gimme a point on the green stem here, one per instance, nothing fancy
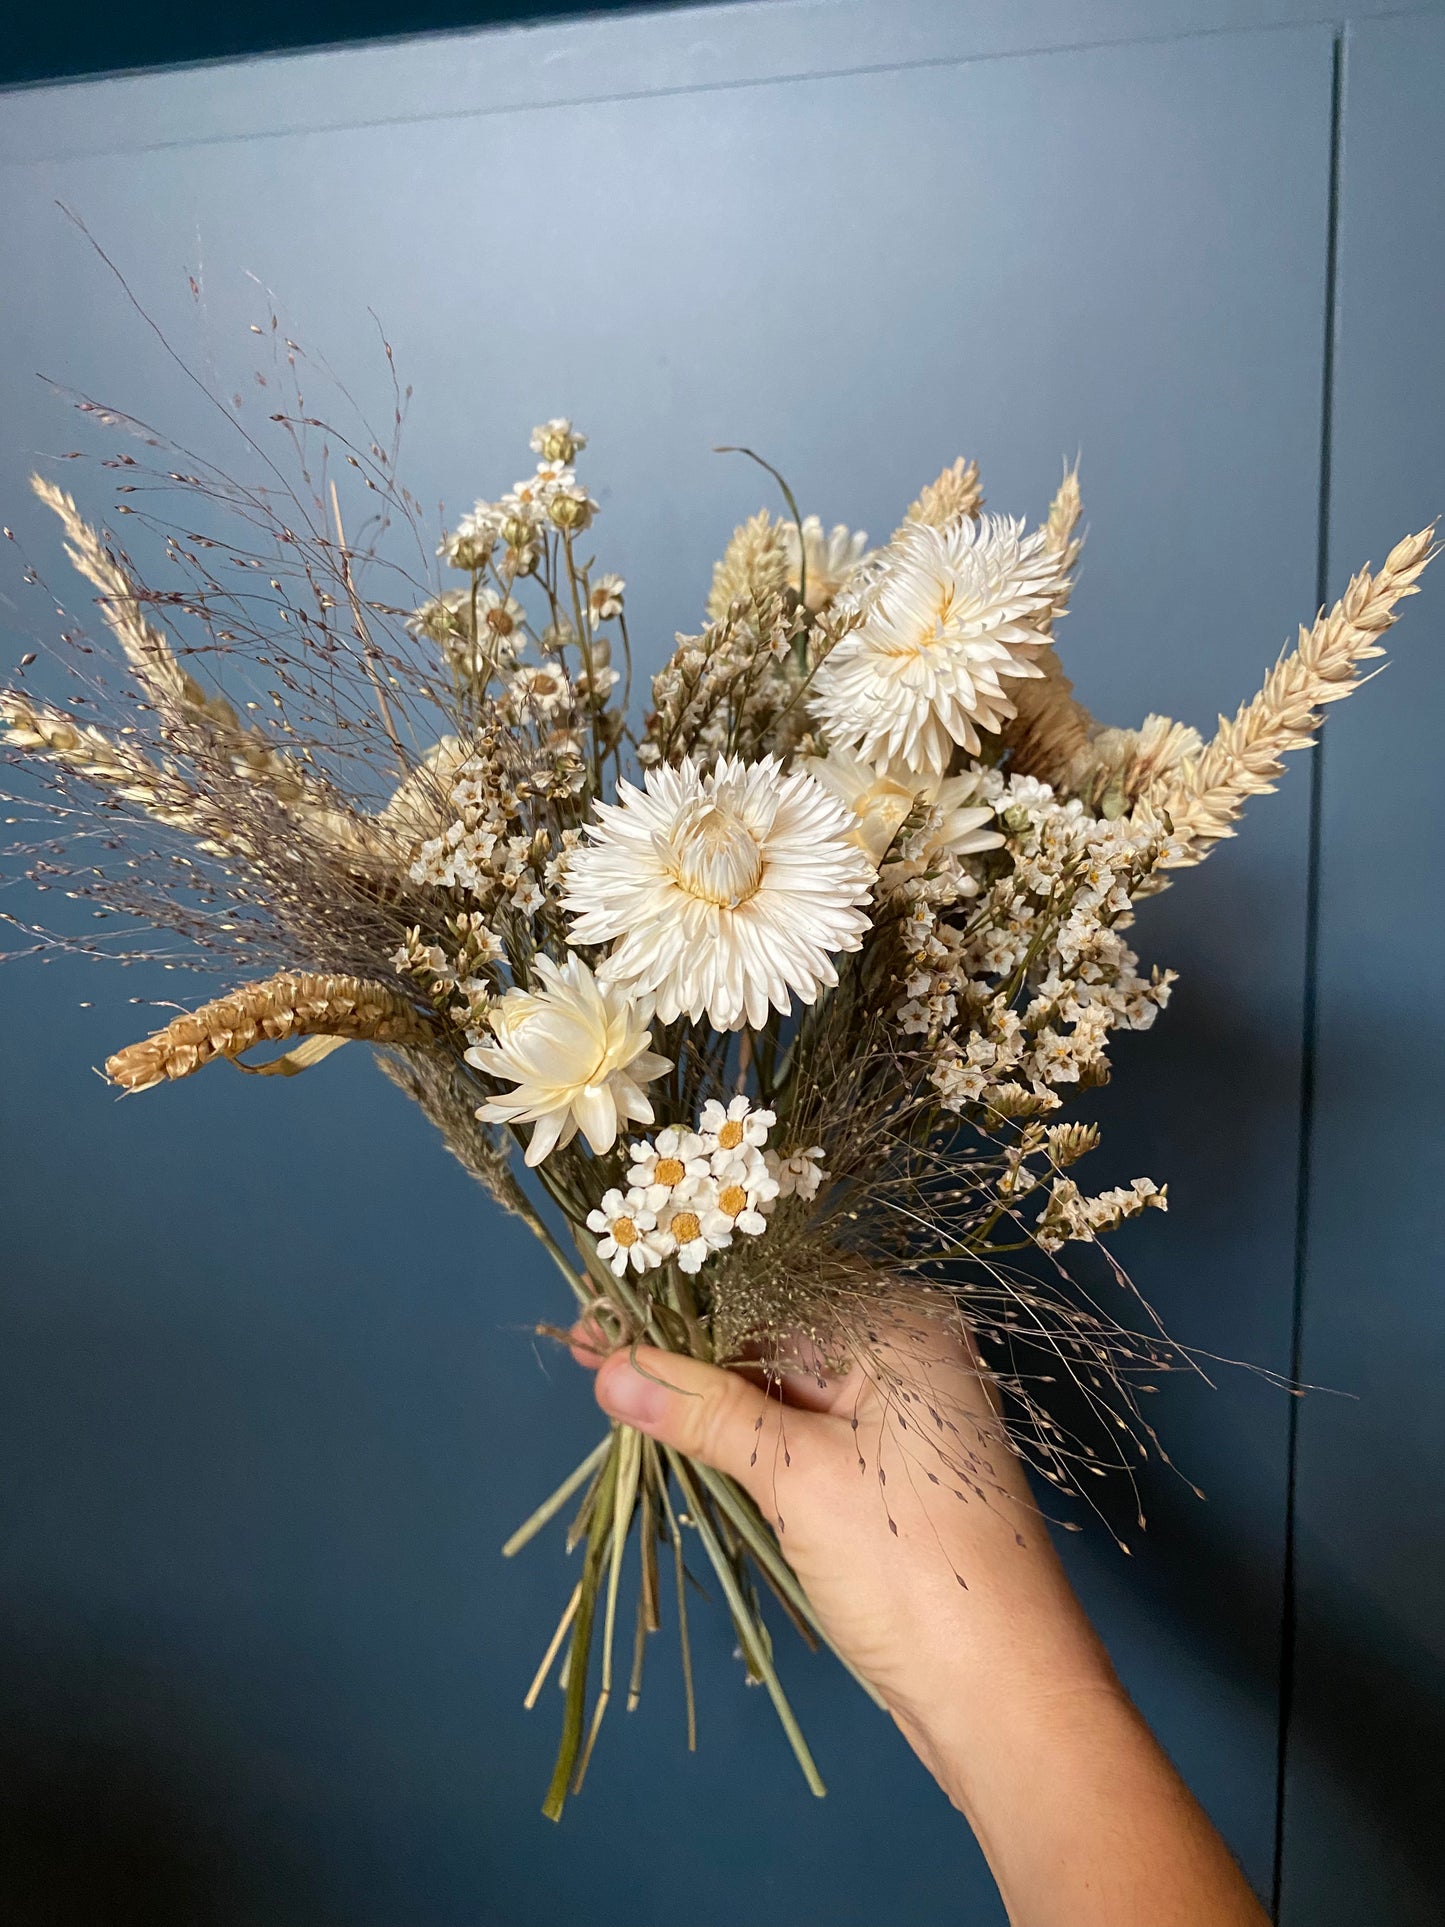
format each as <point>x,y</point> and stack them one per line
<point>576,1702</point>
<point>549,1508</point>
<point>751,1637</point>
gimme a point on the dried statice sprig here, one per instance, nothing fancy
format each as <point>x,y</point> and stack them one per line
<point>783,1034</point>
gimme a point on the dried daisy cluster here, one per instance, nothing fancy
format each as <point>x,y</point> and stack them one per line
<point>772,996</point>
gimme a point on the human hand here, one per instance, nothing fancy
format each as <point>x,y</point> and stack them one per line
<point>944,1592</point>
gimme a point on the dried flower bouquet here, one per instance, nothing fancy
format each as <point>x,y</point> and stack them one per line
<point>777,997</point>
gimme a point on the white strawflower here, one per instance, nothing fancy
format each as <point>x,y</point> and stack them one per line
<point>831,556</point>
<point>673,1165</point>
<point>948,615</point>
<point>576,1051</point>
<point>725,892</point>
<point>630,1235</point>
<point>958,824</point>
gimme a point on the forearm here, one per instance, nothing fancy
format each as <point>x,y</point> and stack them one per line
<point>1082,1818</point>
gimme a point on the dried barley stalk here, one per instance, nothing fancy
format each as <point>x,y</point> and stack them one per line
<point>297,1003</point>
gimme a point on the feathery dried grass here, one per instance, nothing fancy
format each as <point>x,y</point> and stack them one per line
<point>1206,793</point>
<point>298,1003</point>
<point>447,1097</point>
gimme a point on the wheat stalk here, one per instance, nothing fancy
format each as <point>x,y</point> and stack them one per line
<point>298,1003</point>
<point>754,566</point>
<point>956,492</point>
<point>89,753</point>
<point>1050,730</point>
<point>148,650</point>
<point>1204,795</point>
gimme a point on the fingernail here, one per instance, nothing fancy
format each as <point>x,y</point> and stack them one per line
<point>623,1392</point>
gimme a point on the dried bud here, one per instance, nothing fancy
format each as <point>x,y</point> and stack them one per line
<point>1015,819</point>
<point>558,440</point>
<point>572,510</point>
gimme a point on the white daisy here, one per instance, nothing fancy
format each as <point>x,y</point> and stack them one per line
<point>604,598</point>
<point>745,1188</point>
<point>630,1235</point>
<point>542,689</point>
<point>670,1167</point>
<point>726,892</point>
<point>576,1051</point>
<point>948,614</point>
<point>727,1130</point>
<point>696,1228</point>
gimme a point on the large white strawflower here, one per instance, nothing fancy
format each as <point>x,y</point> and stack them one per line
<point>725,892</point>
<point>948,614</point>
<point>576,1051</point>
<point>880,803</point>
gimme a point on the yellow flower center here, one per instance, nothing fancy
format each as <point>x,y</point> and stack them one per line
<point>685,1227</point>
<point>670,1171</point>
<point>625,1232</point>
<point>730,1136</point>
<point>714,855</point>
<point>732,1199</point>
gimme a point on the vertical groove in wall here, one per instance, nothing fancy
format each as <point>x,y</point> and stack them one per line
<point>1288,1615</point>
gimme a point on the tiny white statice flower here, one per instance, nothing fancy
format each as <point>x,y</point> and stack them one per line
<point>726,893</point>
<point>799,1174</point>
<point>947,616</point>
<point>670,1167</point>
<point>527,897</point>
<point>744,1188</point>
<point>604,598</point>
<point>736,1127</point>
<point>696,1228</point>
<point>630,1233</point>
<point>577,1053</point>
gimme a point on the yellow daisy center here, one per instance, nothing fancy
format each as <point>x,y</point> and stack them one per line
<point>730,1136</point>
<point>685,1227</point>
<point>625,1232</point>
<point>732,1199</point>
<point>671,1171</point>
<point>714,855</point>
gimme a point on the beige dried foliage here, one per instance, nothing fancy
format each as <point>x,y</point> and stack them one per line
<point>956,492</point>
<point>754,566</point>
<point>1206,793</point>
<point>298,1003</point>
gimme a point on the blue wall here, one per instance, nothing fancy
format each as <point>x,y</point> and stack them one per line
<point>270,1403</point>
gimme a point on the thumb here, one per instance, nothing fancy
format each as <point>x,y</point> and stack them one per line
<point>709,1414</point>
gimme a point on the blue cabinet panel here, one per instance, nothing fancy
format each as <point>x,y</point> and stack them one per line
<point>270,1404</point>
<point>1362,1833</point>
